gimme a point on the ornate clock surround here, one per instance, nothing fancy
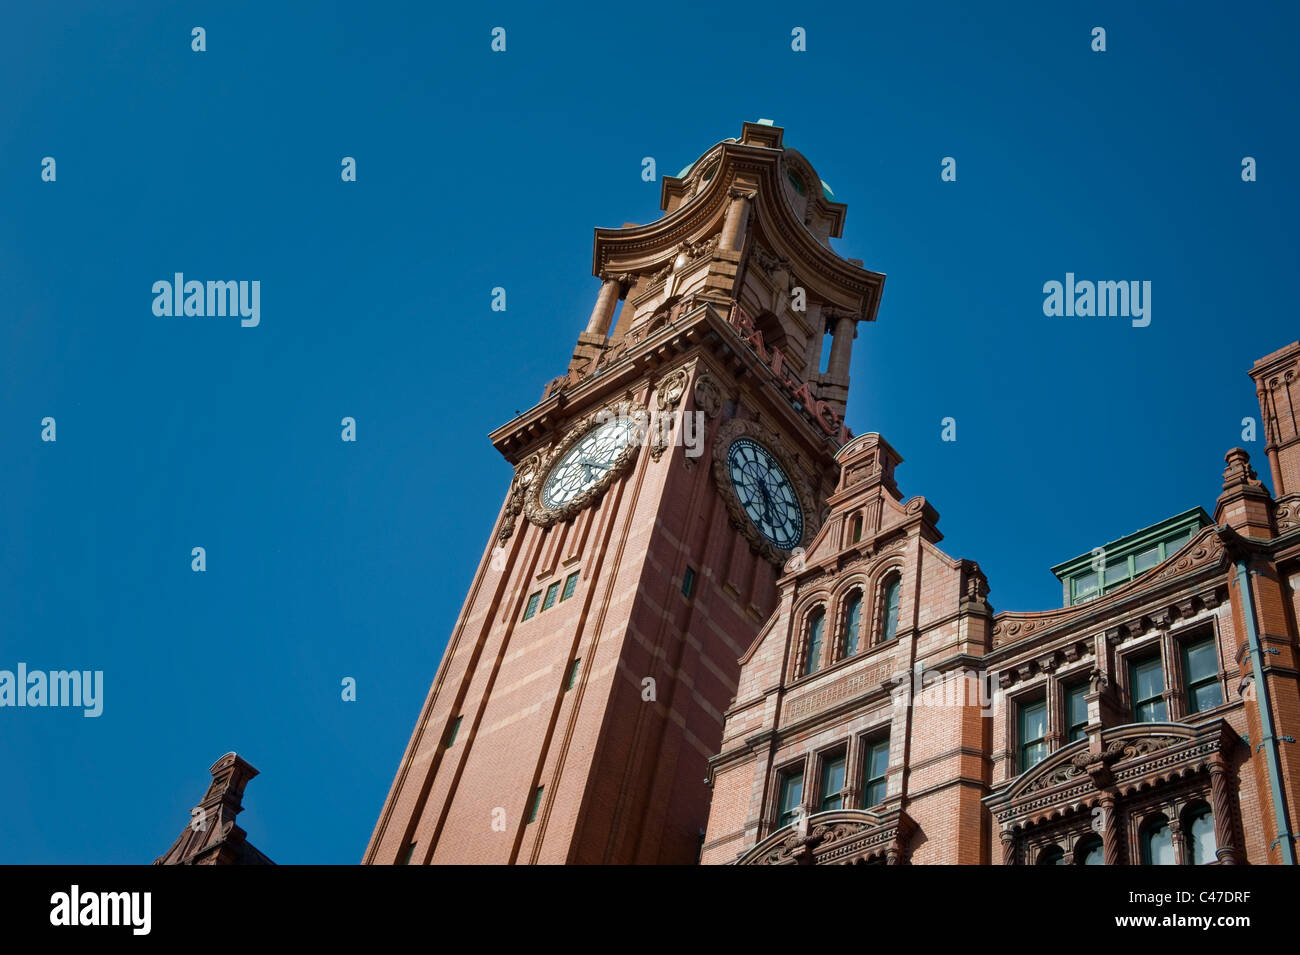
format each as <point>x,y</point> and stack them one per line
<point>538,467</point>
<point>770,440</point>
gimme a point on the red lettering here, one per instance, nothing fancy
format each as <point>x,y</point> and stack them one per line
<point>777,365</point>
<point>803,394</point>
<point>827,418</point>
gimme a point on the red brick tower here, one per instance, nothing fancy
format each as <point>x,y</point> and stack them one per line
<point>583,686</point>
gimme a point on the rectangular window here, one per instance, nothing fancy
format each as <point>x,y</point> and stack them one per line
<point>570,585</point>
<point>1085,587</point>
<point>832,783</point>
<point>551,593</point>
<point>573,675</point>
<point>876,765</point>
<point>532,604</point>
<point>1033,732</point>
<point>1147,559</point>
<point>688,582</point>
<point>791,797</point>
<point>1147,685</point>
<point>1117,573</point>
<point>536,805</point>
<point>455,728</point>
<point>1076,712</point>
<point>1201,671</point>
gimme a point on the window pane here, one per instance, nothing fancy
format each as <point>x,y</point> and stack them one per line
<point>1147,559</point>
<point>1158,846</point>
<point>815,642</point>
<point>1201,669</point>
<point>1076,711</point>
<point>1033,721</point>
<point>891,609</point>
<point>1085,585</point>
<point>852,621</point>
<point>877,765</point>
<point>1033,728</point>
<point>1202,662</point>
<point>1202,843</point>
<point>551,593</point>
<point>532,605</point>
<point>1148,689</point>
<point>1091,854</point>
<point>1205,697</point>
<point>1117,572</point>
<point>791,796</point>
<point>1152,712</point>
<point>1052,856</point>
<point>832,783</point>
<point>570,585</point>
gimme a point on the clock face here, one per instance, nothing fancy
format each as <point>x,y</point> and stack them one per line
<point>765,492</point>
<point>584,464</point>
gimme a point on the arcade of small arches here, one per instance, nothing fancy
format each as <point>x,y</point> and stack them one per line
<point>847,609</point>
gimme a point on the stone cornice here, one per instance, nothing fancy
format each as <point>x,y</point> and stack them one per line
<point>702,330</point>
<point>1205,552</point>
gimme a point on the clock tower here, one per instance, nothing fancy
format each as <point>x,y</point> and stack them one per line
<point>661,487</point>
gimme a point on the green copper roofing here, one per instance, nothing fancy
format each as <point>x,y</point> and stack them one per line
<point>826,189</point>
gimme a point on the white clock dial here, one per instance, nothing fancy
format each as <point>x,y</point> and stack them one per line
<point>584,464</point>
<point>765,492</point>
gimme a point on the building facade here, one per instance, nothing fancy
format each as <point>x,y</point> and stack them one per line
<point>708,626</point>
<point>887,715</point>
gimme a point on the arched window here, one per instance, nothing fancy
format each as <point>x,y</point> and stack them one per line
<point>1157,843</point>
<point>1201,841</point>
<point>852,623</point>
<point>889,595</point>
<point>816,624</point>
<point>1089,852</point>
<point>1052,855</point>
<point>855,529</point>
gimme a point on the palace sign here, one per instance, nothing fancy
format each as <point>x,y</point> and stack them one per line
<point>804,399</point>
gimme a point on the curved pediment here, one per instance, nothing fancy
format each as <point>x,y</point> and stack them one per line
<point>836,836</point>
<point>757,171</point>
<point>1205,549</point>
<point>1125,758</point>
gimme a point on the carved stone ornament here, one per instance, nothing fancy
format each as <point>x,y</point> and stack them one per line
<point>771,440</point>
<point>708,396</point>
<point>668,395</point>
<point>544,516</point>
<point>526,474</point>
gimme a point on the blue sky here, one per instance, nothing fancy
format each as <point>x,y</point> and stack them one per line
<point>475,170</point>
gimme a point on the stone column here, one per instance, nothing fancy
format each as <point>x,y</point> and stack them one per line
<point>737,221</point>
<point>1179,839</point>
<point>606,302</point>
<point>1008,839</point>
<point>1221,805</point>
<point>1110,845</point>
<point>837,369</point>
